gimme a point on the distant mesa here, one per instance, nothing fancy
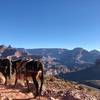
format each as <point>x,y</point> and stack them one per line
<point>77,57</point>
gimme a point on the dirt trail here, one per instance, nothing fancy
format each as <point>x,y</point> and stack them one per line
<point>17,93</point>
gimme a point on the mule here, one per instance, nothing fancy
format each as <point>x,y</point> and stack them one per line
<point>6,68</point>
<point>33,69</point>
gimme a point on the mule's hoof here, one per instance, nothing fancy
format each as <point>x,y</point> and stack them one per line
<point>5,84</point>
<point>35,96</point>
<point>28,90</point>
<point>14,86</point>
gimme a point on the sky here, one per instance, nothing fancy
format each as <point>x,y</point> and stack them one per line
<point>50,23</point>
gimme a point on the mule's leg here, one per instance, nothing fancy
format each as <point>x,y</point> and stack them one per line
<point>28,85</point>
<point>17,76</point>
<point>36,84</point>
<point>41,79</point>
<point>27,82</point>
<point>16,79</point>
<point>5,79</point>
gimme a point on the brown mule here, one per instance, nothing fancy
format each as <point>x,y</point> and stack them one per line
<point>32,69</point>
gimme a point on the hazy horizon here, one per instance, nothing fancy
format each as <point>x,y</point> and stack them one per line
<point>51,48</point>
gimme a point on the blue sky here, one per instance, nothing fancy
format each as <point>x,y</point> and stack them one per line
<point>50,23</point>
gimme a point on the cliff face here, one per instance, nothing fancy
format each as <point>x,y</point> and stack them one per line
<point>89,76</point>
<point>76,57</point>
